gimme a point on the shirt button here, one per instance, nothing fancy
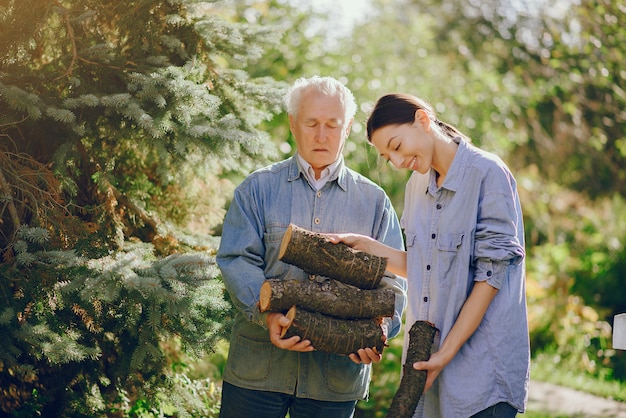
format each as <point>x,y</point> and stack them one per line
<point>317,221</point>
<point>428,267</point>
<point>438,205</point>
<point>425,298</point>
<point>433,236</point>
<point>319,193</point>
<point>489,273</point>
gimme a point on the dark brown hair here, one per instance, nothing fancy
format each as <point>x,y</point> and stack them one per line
<point>399,108</point>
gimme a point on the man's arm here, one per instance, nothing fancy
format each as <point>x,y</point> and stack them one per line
<point>241,256</point>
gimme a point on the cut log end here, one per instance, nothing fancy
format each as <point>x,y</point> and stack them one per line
<point>265,296</point>
<point>285,242</point>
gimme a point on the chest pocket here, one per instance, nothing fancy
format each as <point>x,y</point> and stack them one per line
<point>273,238</point>
<point>449,248</point>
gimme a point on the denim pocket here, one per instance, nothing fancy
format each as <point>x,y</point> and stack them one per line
<point>252,360</point>
<point>345,376</point>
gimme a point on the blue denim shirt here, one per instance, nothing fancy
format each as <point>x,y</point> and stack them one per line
<point>469,229</point>
<point>264,205</point>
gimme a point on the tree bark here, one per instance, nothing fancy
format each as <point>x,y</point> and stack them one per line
<point>326,296</point>
<point>315,254</point>
<point>421,336</point>
<point>339,336</point>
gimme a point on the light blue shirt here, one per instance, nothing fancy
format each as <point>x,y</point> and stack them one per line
<point>263,206</point>
<point>469,229</point>
<point>307,169</point>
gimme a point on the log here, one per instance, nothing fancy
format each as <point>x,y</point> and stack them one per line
<point>421,336</point>
<point>326,296</point>
<point>316,254</point>
<point>333,335</point>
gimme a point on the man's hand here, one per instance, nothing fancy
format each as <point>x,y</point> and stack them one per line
<point>369,355</point>
<point>275,323</point>
<point>365,356</point>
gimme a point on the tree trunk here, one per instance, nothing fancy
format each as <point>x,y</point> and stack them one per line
<point>421,336</point>
<point>326,296</point>
<point>339,336</point>
<point>315,254</point>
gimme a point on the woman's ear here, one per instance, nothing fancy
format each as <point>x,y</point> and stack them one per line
<point>423,119</point>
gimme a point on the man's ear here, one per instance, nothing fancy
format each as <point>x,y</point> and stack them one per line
<point>349,127</point>
<point>292,123</point>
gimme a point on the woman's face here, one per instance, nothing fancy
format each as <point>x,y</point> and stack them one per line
<point>405,146</point>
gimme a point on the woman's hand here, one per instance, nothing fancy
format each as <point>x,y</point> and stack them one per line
<point>433,366</point>
<point>396,259</point>
<point>356,241</point>
<point>464,327</point>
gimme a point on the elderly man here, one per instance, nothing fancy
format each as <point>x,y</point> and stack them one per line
<point>266,376</point>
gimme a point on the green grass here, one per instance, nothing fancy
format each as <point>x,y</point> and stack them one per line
<point>545,368</point>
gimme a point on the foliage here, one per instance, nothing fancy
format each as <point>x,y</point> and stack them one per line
<point>561,78</point>
<point>119,123</point>
<point>568,269</point>
<point>125,125</point>
<point>84,332</point>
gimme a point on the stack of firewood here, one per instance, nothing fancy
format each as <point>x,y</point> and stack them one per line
<point>340,309</point>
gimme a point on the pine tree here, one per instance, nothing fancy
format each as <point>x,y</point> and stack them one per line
<point>119,124</point>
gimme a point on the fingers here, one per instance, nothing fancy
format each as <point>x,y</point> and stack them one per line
<point>276,322</point>
<point>293,344</point>
<point>433,372</point>
<point>365,356</point>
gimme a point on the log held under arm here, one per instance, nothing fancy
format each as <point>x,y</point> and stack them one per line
<point>333,335</point>
<point>326,296</point>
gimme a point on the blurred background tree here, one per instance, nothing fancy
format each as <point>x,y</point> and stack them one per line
<point>541,85</point>
<point>124,127</point>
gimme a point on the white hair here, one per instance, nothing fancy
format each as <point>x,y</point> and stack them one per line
<point>328,86</point>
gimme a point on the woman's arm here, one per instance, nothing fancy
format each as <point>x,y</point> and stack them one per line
<point>468,321</point>
<point>396,259</point>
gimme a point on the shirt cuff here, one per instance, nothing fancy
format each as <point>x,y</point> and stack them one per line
<point>491,272</point>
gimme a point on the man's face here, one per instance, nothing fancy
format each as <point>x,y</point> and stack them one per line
<point>319,129</point>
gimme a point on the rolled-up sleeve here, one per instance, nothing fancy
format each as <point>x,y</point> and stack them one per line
<point>498,242</point>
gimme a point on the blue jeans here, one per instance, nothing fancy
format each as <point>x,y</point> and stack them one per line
<point>245,403</point>
<point>499,410</point>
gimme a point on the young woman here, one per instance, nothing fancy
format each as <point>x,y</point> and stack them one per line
<point>464,261</point>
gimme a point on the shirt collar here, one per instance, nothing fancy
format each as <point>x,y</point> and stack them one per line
<point>336,170</point>
<point>456,171</point>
